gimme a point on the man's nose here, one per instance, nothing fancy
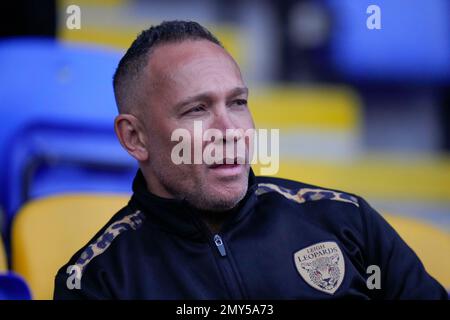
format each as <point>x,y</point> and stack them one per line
<point>223,120</point>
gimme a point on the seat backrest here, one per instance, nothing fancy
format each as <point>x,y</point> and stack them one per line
<point>399,50</point>
<point>48,231</point>
<point>72,83</point>
<point>13,287</point>
<point>431,244</point>
<point>314,121</point>
<point>3,261</point>
<point>46,158</point>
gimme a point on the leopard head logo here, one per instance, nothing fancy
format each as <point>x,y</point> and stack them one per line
<point>323,271</point>
<point>321,266</point>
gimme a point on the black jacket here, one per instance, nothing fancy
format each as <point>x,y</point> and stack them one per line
<point>287,240</point>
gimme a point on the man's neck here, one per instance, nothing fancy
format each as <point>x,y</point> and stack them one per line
<point>153,186</point>
<point>215,219</point>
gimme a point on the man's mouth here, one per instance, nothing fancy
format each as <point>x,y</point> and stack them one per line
<point>223,166</point>
<point>226,163</point>
<point>229,168</point>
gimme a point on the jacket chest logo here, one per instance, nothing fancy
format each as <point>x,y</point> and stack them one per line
<point>321,265</point>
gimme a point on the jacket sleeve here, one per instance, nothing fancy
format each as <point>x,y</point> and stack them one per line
<point>91,286</point>
<point>403,275</point>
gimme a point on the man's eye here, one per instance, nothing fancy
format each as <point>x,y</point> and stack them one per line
<point>240,102</point>
<point>196,109</point>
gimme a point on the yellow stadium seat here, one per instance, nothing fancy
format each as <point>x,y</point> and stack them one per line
<point>47,232</point>
<point>3,261</point>
<point>327,108</point>
<point>431,244</point>
<point>314,122</point>
<point>368,175</point>
<point>126,27</point>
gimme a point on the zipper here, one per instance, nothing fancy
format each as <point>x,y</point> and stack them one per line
<point>219,244</point>
<point>223,262</point>
<point>227,270</point>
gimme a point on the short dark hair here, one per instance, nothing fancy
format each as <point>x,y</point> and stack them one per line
<point>136,57</point>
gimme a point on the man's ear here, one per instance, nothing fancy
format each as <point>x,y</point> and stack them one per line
<point>132,136</point>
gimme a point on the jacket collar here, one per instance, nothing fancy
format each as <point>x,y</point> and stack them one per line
<point>179,217</point>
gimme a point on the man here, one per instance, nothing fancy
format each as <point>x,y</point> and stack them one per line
<point>215,231</point>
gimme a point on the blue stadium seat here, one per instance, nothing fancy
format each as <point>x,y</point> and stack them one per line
<point>13,287</point>
<point>51,158</point>
<point>413,44</point>
<point>57,109</point>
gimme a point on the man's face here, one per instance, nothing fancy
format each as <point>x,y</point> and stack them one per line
<point>186,82</point>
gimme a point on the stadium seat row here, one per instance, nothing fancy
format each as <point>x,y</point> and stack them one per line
<point>47,231</point>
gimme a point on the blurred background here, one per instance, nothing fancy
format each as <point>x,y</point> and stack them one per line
<point>359,109</point>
